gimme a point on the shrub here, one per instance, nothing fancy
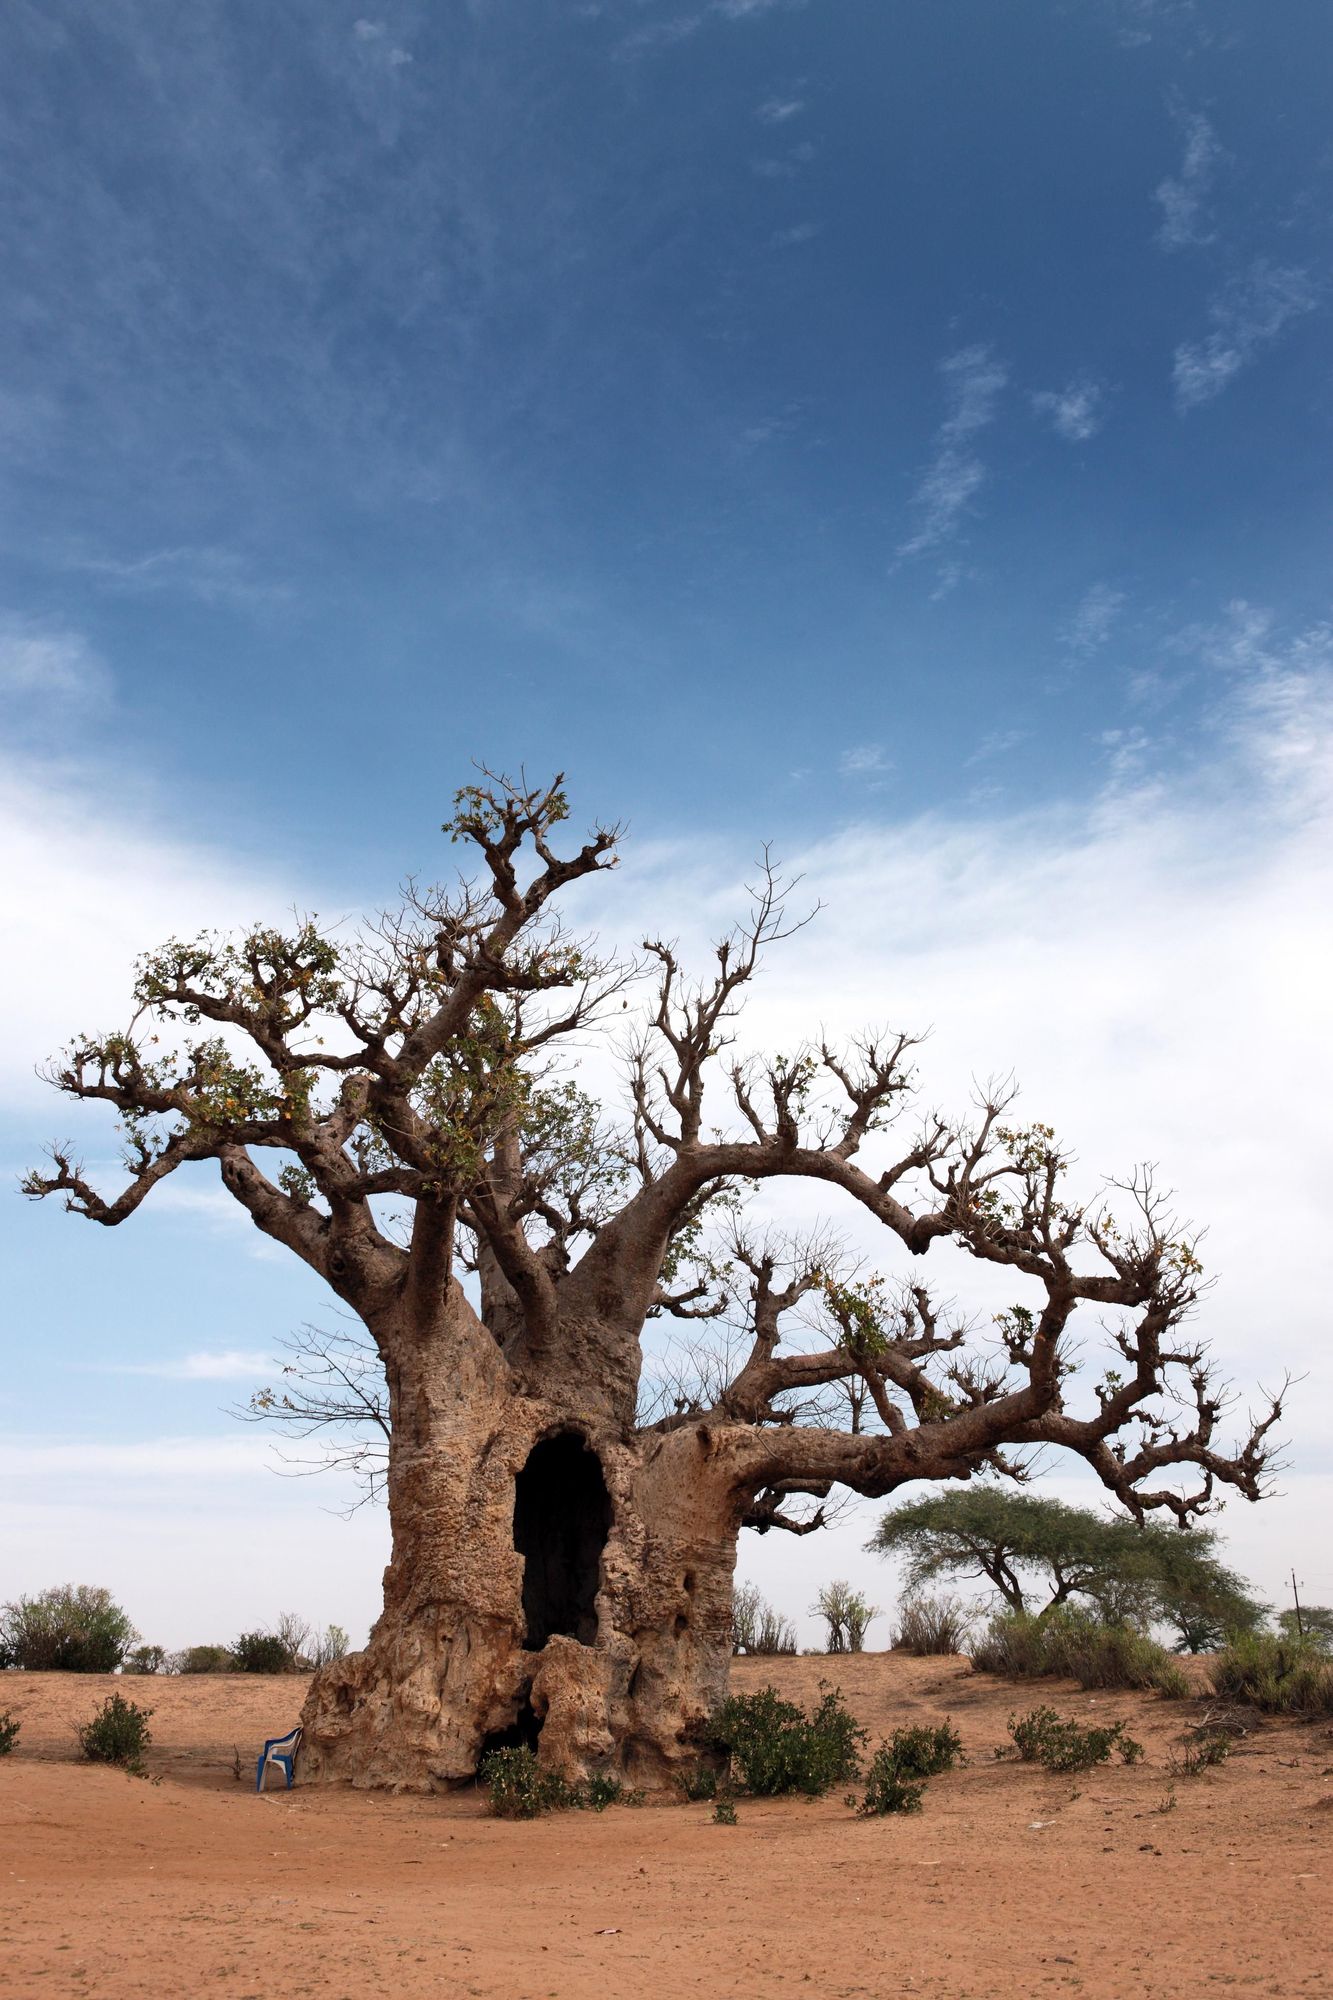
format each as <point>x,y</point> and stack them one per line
<point>517,1787</point>
<point>1275,1675</point>
<point>600,1792</point>
<point>700,1783</point>
<point>332,1644</point>
<point>756,1628</point>
<point>932,1625</point>
<point>117,1734</point>
<point>889,1788</point>
<point>203,1660</point>
<point>261,1653</point>
<point>9,1731</point>
<point>74,1628</point>
<point>923,1752</point>
<point>775,1747</point>
<point>1203,1753</point>
<point>847,1614</point>
<point>1043,1737</point>
<point>145,1660</point>
<point>1079,1645</point>
<point>724,1813</point>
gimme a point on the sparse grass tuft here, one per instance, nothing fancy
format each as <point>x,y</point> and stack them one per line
<point>1203,1752</point>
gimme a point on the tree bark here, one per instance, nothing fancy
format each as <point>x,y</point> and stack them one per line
<point>603,1641</point>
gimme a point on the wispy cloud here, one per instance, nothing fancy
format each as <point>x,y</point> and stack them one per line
<point>48,662</point>
<point>777,110</point>
<point>1077,411</point>
<point>1091,625</point>
<point>799,232</point>
<point>374,38</point>
<point>785,166</point>
<point>1182,197</point>
<point>974,380</point>
<point>1247,316</point>
<point>865,760</point>
<point>234,1364</point>
<point>998,744</point>
<point>212,575</point>
<point>1247,640</point>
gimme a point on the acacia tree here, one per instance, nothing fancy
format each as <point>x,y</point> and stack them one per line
<point>1038,1554</point>
<point>562,1565</point>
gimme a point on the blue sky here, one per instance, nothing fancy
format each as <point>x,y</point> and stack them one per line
<point>829,422</point>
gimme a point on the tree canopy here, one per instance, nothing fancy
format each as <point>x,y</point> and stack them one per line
<point>1038,1553</point>
<point>427,1158</point>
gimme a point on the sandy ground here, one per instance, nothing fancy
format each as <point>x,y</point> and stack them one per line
<point>1009,1883</point>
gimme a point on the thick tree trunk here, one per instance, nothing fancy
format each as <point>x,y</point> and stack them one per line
<point>555,1580</point>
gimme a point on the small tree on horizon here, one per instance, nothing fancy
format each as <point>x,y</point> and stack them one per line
<point>847,1615</point>
<point>1039,1553</point>
<point>387,1105</point>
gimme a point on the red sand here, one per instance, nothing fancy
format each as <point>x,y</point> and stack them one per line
<point>1009,1883</point>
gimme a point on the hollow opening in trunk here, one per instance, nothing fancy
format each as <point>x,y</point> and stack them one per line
<point>562,1515</point>
<point>520,1734</point>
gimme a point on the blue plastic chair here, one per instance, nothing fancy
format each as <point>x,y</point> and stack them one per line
<point>280,1750</point>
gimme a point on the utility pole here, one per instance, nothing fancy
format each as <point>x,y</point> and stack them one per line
<point>1296,1600</point>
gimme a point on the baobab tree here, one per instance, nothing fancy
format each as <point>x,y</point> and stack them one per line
<point>389,1107</point>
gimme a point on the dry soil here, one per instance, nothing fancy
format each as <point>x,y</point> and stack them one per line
<point>1009,1883</point>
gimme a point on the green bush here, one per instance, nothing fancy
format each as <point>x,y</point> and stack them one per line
<point>203,1660</point>
<point>775,1747</point>
<point>929,1625</point>
<point>923,1751</point>
<point>1043,1737</point>
<point>724,1813</point>
<point>9,1732</point>
<point>889,1788</point>
<point>1079,1645</point>
<point>1277,1675</point>
<point>74,1628</point>
<point>262,1653</point>
<point>117,1734</point>
<point>700,1783</point>
<point>145,1660</point>
<point>517,1788</point>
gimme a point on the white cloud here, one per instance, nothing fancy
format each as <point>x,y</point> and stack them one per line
<point>864,760</point>
<point>998,744</point>
<point>1181,197</point>
<point>233,1365</point>
<point>800,232</point>
<point>1093,620</point>
<point>86,887</point>
<point>1153,962</point>
<point>1076,412</point>
<point>777,110</point>
<point>973,380</point>
<point>212,575</point>
<point>48,662</point>
<point>1247,316</point>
